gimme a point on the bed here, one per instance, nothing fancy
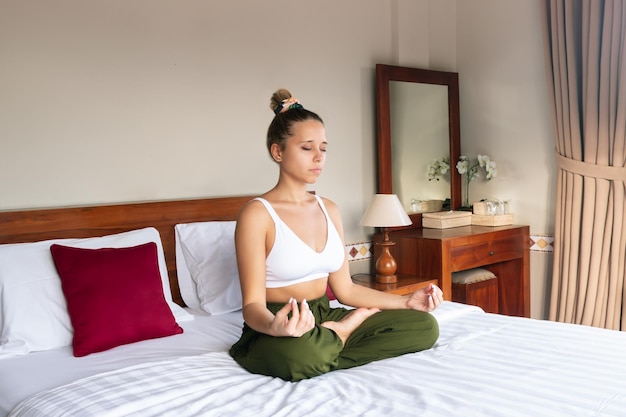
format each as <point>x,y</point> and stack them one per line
<point>482,365</point>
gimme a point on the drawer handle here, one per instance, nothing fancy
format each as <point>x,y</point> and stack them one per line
<point>491,253</point>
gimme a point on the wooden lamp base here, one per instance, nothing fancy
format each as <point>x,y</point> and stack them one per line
<point>386,265</point>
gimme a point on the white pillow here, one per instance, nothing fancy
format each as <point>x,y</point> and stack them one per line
<point>33,311</point>
<point>187,286</point>
<point>207,270</point>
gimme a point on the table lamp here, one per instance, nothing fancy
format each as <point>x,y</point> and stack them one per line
<point>385,211</point>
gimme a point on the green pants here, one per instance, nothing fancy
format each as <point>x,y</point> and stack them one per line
<point>383,335</point>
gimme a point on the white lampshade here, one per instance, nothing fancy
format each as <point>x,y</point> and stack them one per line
<point>385,210</point>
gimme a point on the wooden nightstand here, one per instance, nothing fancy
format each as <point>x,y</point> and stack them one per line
<point>503,250</point>
<point>407,284</point>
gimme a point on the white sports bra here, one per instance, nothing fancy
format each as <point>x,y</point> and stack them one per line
<point>291,261</point>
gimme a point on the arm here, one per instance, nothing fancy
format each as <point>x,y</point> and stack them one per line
<point>349,293</point>
<point>251,243</point>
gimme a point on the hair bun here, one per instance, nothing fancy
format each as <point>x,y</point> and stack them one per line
<point>282,100</point>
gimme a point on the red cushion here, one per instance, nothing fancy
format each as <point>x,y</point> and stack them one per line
<point>114,296</point>
<point>329,293</point>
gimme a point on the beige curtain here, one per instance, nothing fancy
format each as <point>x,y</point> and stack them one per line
<point>585,44</point>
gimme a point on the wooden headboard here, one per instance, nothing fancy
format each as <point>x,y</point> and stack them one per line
<point>17,226</point>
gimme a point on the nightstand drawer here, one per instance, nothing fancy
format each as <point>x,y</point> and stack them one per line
<point>479,251</point>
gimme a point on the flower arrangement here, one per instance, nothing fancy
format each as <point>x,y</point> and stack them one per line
<point>465,166</point>
<point>471,168</point>
<point>437,168</point>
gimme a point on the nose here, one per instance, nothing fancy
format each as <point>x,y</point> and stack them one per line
<point>319,155</point>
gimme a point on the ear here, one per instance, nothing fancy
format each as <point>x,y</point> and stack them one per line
<point>277,153</point>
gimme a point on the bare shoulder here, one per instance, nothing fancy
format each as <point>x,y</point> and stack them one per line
<point>333,211</point>
<point>254,212</point>
<point>330,205</point>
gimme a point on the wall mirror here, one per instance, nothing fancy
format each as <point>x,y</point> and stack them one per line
<point>418,121</point>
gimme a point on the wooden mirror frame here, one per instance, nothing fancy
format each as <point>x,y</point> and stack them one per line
<point>387,73</point>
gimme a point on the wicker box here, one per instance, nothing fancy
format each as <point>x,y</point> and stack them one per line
<point>446,219</point>
<point>426,206</point>
<point>489,207</point>
<point>480,207</point>
<point>492,220</point>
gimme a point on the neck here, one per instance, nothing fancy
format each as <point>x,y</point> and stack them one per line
<point>285,193</point>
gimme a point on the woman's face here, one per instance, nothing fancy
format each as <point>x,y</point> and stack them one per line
<point>304,155</point>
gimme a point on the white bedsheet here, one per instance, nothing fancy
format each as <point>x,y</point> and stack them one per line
<point>23,376</point>
<point>482,365</point>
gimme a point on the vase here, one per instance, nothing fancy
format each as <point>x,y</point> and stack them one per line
<point>466,204</point>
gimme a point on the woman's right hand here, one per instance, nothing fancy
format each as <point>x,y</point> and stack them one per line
<point>301,321</point>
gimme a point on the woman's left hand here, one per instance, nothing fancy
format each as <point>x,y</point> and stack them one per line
<point>426,299</point>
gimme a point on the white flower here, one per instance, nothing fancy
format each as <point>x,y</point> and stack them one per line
<point>491,169</point>
<point>469,167</point>
<point>437,168</point>
<point>483,160</point>
<point>463,165</point>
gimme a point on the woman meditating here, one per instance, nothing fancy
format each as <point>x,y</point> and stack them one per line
<point>290,246</point>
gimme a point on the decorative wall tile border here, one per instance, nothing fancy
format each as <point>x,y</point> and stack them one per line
<point>542,243</point>
<point>359,251</point>
<point>365,250</point>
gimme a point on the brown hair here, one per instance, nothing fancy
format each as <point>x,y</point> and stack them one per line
<point>282,125</point>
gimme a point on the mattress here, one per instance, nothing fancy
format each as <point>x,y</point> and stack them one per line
<point>482,365</point>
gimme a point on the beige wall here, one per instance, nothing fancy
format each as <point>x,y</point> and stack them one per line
<point>505,113</point>
<point>107,101</point>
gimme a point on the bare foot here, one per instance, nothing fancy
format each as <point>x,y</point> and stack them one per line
<point>348,324</point>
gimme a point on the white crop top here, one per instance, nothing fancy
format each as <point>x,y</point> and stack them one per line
<point>291,261</point>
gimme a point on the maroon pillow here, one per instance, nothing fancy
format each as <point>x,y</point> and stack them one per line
<point>114,296</point>
<point>329,293</point>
